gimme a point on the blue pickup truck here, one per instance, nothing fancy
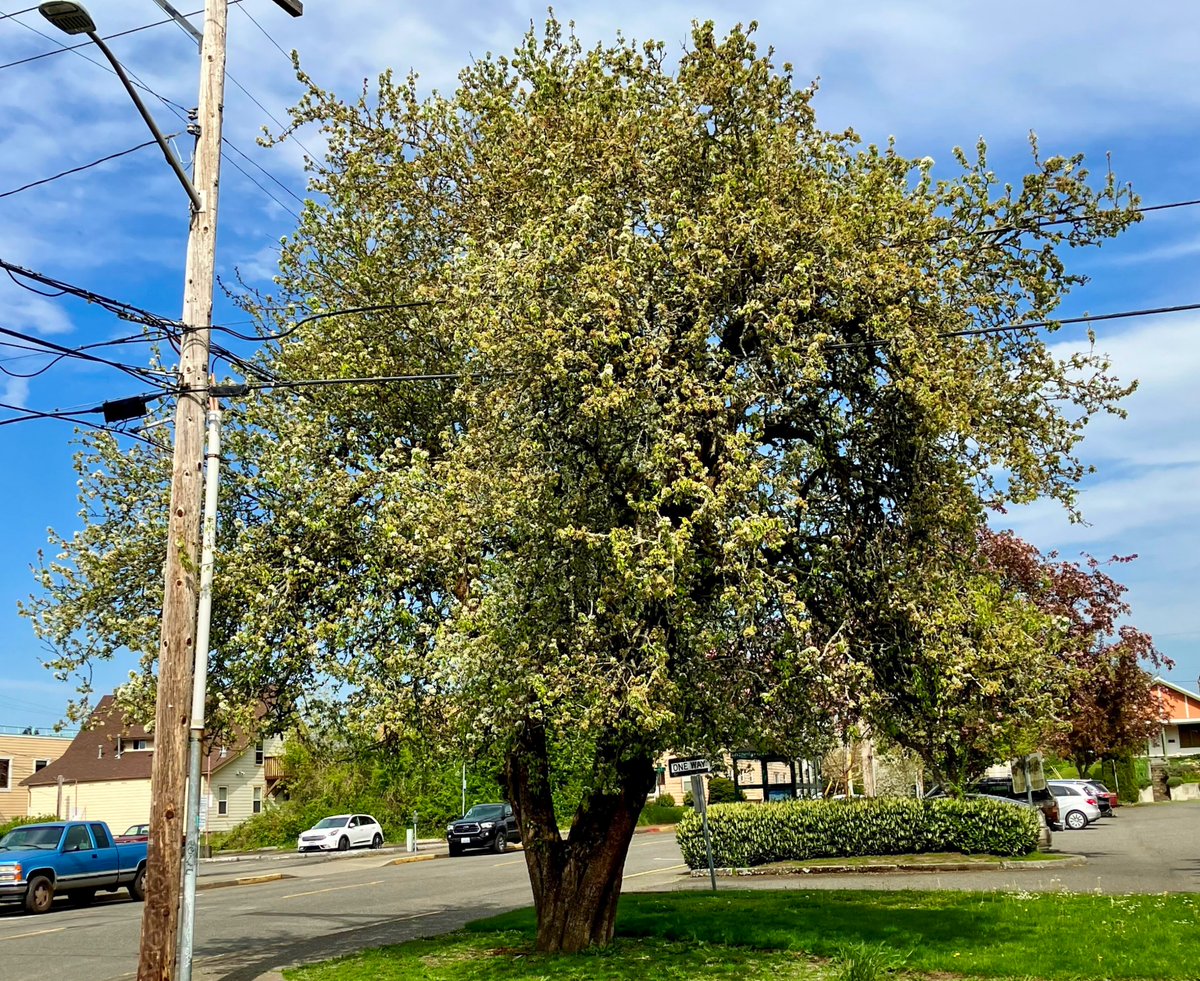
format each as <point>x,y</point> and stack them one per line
<point>75,858</point>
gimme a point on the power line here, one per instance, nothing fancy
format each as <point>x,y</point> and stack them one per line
<point>241,170</point>
<point>266,34</point>
<point>321,316</point>
<point>141,374</point>
<point>1026,325</point>
<point>270,115</point>
<point>126,311</point>
<point>70,416</point>
<point>255,163</point>
<point>107,37</point>
<point>87,166</point>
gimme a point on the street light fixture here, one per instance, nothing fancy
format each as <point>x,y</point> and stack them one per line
<point>72,19</point>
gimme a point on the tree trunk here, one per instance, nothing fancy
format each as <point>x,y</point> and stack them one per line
<point>576,882</point>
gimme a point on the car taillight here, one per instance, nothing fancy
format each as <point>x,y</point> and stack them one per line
<point>1092,801</point>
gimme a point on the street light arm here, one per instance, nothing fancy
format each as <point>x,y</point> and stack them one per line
<point>141,107</point>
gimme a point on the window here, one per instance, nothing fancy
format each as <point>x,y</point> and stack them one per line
<point>40,765</point>
<point>256,806</point>
<point>258,753</point>
<point>222,800</point>
<point>5,772</point>
<point>77,839</point>
<point>1189,737</point>
<point>101,836</point>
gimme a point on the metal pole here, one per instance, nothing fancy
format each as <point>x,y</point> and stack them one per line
<point>212,477</point>
<point>464,790</point>
<point>176,656</point>
<point>700,802</point>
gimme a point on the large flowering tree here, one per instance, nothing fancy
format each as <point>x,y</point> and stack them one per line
<point>707,383</point>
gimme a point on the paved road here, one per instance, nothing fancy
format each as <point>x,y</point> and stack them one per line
<point>328,907</point>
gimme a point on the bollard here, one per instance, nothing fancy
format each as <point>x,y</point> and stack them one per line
<point>410,840</point>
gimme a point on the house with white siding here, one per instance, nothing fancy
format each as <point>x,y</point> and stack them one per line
<point>22,754</point>
<point>104,774</point>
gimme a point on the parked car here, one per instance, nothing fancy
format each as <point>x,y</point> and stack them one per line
<point>1002,787</point>
<point>1105,798</point>
<point>490,826</point>
<point>1043,835</point>
<point>72,858</point>
<point>135,832</point>
<point>340,833</point>
<point>1077,805</point>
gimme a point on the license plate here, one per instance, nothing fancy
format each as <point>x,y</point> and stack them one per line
<point>464,841</point>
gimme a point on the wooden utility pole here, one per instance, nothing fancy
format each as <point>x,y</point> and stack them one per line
<point>176,653</point>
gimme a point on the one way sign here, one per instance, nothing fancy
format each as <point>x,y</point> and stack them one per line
<point>686,767</point>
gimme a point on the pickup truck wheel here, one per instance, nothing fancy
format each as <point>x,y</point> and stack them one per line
<point>343,844</point>
<point>137,888</point>
<point>39,897</point>
<point>455,850</point>
<point>377,841</point>
<point>500,842</point>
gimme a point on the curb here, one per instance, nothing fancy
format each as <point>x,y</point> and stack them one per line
<point>885,868</point>
<point>409,859</point>
<point>246,880</point>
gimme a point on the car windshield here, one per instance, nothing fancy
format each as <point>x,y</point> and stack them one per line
<point>483,812</point>
<point>333,822</point>
<point>137,829</point>
<point>42,836</point>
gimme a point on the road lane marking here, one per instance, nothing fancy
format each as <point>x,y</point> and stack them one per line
<point>313,892</point>
<point>669,868</point>
<point>35,933</point>
<point>417,916</point>
<point>511,861</point>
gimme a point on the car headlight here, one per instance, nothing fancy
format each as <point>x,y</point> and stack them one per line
<point>488,825</point>
<point>449,827</point>
<point>10,873</point>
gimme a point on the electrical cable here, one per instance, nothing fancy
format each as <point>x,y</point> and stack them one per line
<point>321,316</point>
<point>271,116</point>
<point>266,34</point>
<point>241,170</point>
<point>255,163</point>
<point>126,311</point>
<point>69,416</point>
<point>1027,325</point>
<point>87,166</point>
<point>141,374</point>
<point>107,37</point>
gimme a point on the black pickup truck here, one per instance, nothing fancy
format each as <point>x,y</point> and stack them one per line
<point>488,826</point>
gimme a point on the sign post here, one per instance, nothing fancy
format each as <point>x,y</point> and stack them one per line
<point>696,767</point>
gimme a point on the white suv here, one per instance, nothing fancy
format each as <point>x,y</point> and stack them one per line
<point>340,833</point>
<point>1077,806</point>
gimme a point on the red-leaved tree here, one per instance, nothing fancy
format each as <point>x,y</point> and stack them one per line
<point>1111,709</point>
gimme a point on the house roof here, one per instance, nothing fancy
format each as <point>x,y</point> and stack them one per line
<point>92,756</point>
<point>1188,696</point>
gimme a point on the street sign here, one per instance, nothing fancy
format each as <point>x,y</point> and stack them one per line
<point>686,767</point>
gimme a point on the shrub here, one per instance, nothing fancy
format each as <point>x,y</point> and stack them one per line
<point>722,790</point>
<point>749,834</point>
<point>1174,782</point>
<point>665,800</point>
<point>18,822</point>
<point>658,813</point>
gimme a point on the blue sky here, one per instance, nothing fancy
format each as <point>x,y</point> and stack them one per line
<point>1118,80</point>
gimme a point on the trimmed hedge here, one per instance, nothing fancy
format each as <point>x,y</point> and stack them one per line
<point>745,835</point>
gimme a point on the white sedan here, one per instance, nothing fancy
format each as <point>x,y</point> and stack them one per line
<point>340,833</point>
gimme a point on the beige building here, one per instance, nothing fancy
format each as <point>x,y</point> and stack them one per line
<point>22,754</point>
<point>105,775</point>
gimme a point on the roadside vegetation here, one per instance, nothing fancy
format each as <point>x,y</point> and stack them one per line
<point>847,935</point>
<point>17,822</point>
<point>747,835</point>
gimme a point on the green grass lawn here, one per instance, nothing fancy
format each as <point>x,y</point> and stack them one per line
<point>812,934</point>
